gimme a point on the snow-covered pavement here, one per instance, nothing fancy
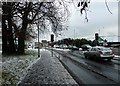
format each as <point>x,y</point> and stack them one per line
<point>47,71</point>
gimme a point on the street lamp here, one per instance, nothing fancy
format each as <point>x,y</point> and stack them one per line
<point>38,40</point>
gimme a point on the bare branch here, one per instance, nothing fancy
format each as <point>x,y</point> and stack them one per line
<point>107,6</point>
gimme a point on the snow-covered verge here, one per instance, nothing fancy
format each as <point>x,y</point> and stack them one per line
<point>15,67</point>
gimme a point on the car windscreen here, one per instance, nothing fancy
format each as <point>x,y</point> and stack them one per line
<point>102,48</point>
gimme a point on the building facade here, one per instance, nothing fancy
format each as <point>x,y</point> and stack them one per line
<point>44,43</point>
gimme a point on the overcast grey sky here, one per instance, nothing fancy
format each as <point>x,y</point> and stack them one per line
<point>100,21</point>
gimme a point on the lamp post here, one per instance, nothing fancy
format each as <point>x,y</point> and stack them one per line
<point>38,40</point>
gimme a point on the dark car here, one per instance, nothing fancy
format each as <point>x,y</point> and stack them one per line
<point>75,48</point>
<point>99,52</point>
<point>85,47</point>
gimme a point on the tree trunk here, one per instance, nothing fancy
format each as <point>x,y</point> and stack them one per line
<point>22,36</point>
<point>21,45</point>
<point>4,37</point>
<point>10,37</point>
<point>8,45</point>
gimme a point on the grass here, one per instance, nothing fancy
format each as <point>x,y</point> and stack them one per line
<point>14,67</point>
<point>31,52</point>
<point>8,78</point>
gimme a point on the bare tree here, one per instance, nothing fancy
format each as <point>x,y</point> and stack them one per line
<point>7,32</point>
<point>18,16</point>
<point>23,14</point>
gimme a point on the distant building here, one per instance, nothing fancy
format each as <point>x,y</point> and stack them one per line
<point>38,45</point>
<point>44,43</point>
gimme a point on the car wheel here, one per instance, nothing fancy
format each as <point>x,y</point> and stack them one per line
<point>99,60</point>
<point>95,58</point>
<point>86,56</point>
<point>109,60</point>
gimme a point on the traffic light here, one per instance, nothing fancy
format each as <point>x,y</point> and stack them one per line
<point>96,36</point>
<point>52,37</point>
<point>96,39</point>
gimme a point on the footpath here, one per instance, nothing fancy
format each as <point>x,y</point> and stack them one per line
<point>47,71</point>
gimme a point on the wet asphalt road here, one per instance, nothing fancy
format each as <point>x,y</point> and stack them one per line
<point>90,71</point>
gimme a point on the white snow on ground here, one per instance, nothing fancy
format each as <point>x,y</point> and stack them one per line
<point>15,67</point>
<point>61,49</point>
<point>116,56</point>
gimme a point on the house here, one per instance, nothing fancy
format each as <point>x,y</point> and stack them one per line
<point>44,43</point>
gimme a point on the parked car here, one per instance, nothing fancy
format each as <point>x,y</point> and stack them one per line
<point>63,46</point>
<point>69,47</point>
<point>86,47</point>
<point>75,48</point>
<point>72,47</point>
<point>56,46</point>
<point>99,52</point>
